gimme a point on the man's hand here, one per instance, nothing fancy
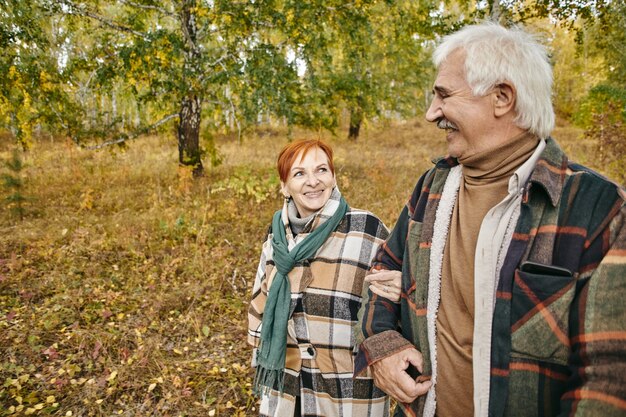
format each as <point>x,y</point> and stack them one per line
<point>385,283</point>
<point>390,375</point>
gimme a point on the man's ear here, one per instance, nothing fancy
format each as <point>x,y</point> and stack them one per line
<point>504,99</point>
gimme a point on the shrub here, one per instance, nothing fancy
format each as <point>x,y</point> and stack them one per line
<point>602,99</point>
<point>603,115</point>
<point>14,185</point>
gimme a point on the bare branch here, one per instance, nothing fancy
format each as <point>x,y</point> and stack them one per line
<point>148,7</point>
<point>189,28</point>
<point>135,135</point>
<point>219,60</point>
<point>232,108</point>
<point>80,10</point>
<point>207,29</point>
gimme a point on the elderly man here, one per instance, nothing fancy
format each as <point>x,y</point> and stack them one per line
<point>513,258</point>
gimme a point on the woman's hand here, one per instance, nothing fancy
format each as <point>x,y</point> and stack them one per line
<point>385,283</point>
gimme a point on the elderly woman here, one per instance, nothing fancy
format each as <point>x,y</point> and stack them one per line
<point>307,294</point>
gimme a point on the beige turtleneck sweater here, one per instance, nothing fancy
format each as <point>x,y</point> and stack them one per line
<point>484,184</point>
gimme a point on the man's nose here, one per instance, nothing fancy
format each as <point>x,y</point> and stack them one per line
<point>434,112</point>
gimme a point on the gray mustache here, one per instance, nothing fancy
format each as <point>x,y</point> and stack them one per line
<point>446,124</point>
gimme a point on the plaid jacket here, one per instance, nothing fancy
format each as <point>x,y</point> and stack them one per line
<point>558,339</point>
<point>325,298</point>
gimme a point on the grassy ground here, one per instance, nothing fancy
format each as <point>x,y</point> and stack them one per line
<point>124,290</point>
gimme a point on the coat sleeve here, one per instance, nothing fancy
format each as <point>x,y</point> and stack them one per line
<point>379,317</point>
<point>259,297</point>
<point>378,233</point>
<point>598,331</point>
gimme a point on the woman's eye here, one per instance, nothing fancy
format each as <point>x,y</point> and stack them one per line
<point>322,170</point>
<point>297,174</point>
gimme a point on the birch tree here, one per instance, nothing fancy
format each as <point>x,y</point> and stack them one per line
<point>180,59</point>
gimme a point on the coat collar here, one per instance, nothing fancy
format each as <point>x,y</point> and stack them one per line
<point>319,218</point>
<point>549,172</point>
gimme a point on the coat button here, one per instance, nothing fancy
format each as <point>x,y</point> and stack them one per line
<point>310,350</point>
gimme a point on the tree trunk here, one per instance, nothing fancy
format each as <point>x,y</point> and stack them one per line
<point>189,135</point>
<point>495,12</point>
<point>356,117</point>
<point>190,110</point>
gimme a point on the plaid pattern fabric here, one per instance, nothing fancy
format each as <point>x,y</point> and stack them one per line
<point>558,342</point>
<point>325,298</point>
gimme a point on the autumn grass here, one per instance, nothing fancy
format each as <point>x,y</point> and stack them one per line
<point>125,289</point>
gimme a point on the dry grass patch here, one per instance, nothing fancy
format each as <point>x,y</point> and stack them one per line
<point>125,289</point>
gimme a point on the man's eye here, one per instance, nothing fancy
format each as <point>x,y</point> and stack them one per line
<point>441,94</point>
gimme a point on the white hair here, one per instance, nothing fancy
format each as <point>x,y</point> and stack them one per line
<point>494,54</point>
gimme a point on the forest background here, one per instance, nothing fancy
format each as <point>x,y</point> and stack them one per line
<point>138,140</point>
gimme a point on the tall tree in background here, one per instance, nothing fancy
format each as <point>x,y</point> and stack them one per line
<point>33,92</point>
<point>177,57</point>
<point>608,35</point>
<point>110,71</point>
<point>369,58</point>
<point>576,70</point>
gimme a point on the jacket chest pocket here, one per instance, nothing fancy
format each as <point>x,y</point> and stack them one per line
<point>540,308</point>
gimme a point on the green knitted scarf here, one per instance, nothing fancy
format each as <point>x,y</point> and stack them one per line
<point>273,346</point>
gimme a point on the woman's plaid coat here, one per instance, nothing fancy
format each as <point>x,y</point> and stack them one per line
<point>325,299</point>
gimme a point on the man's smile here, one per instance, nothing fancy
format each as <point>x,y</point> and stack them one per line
<point>446,124</point>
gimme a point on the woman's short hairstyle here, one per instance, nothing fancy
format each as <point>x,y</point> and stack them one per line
<point>494,54</point>
<point>291,151</point>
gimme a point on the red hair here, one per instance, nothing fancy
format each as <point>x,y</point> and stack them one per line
<point>290,152</point>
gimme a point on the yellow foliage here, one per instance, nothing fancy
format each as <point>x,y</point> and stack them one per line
<point>162,57</point>
<point>86,199</point>
<point>44,80</point>
<point>12,73</point>
<point>19,104</point>
<point>201,11</point>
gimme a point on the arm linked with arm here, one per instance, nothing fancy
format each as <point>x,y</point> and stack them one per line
<point>380,317</point>
<point>385,350</point>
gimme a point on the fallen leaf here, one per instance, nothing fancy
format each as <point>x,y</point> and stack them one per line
<point>96,349</point>
<point>51,353</point>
